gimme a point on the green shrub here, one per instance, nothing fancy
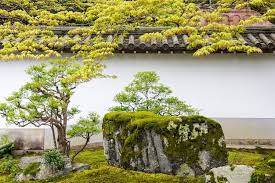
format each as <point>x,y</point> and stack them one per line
<point>4,140</point>
<point>6,149</point>
<point>54,159</point>
<point>260,177</point>
<point>32,169</point>
<point>9,166</point>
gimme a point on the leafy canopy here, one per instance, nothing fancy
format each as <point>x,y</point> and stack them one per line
<point>45,98</point>
<point>85,127</point>
<point>146,93</point>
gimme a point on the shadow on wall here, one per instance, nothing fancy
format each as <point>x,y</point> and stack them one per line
<point>25,139</point>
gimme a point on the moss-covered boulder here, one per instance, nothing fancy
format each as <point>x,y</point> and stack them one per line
<point>175,145</point>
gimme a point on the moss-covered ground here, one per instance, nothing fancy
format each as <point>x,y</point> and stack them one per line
<point>101,172</point>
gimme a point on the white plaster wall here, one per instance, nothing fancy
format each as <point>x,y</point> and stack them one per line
<point>222,86</point>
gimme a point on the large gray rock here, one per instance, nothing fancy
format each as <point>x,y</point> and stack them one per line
<point>174,145</point>
<point>230,174</point>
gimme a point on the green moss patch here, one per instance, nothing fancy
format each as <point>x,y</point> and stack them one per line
<point>101,172</point>
<point>244,158</point>
<point>265,170</point>
<point>32,169</point>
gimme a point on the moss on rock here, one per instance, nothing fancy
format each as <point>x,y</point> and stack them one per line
<point>148,142</point>
<point>32,169</point>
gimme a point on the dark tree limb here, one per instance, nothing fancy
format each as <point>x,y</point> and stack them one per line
<point>83,147</point>
<point>54,138</point>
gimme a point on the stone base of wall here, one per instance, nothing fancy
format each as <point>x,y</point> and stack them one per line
<point>23,152</point>
<point>250,143</point>
<point>89,146</point>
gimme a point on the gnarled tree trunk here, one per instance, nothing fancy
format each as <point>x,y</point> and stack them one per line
<point>62,141</point>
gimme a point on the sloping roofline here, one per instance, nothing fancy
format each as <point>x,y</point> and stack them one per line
<point>259,36</point>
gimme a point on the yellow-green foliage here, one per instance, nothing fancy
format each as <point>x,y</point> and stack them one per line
<point>244,158</point>
<point>23,37</point>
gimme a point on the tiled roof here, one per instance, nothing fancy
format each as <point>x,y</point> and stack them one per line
<point>179,43</point>
<point>260,37</point>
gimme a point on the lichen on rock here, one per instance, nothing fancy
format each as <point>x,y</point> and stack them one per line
<point>185,170</point>
<point>147,142</point>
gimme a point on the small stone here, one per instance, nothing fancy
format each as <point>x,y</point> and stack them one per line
<point>185,170</point>
<point>45,171</point>
<point>25,161</point>
<point>80,167</point>
<point>238,174</point>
